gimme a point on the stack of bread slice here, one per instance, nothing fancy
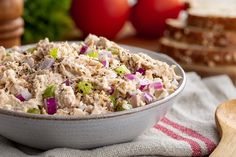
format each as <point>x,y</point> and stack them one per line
<point>204,39</point>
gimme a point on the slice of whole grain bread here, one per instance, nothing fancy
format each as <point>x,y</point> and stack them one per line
<point>193,53</point>
<point>179,31</point>
<point>222,18</point>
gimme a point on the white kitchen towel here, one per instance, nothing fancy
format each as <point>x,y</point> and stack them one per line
<point>188,129</point>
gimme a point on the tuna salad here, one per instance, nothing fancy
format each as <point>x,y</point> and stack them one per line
<point>92,77</point>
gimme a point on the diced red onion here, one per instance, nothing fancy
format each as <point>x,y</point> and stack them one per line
<point>142,87</point>
<point>109,54</point>
<point>50,105</point>
<point>141,71</point>
<point>130,76</point>
<point>113,75</point>
<point>24,95</point>
<point>20,97</point>
<point>147,97</point>
<point>29,61</point>
<point>83,49</point>
<point>104,55</point>
<point>67,82</point>
<point>157,85</point>
<point>105,63</point>
<point>143,82</point>
<point>111,91</point>
<point>47,63</point>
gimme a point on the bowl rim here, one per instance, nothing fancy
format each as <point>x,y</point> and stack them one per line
<point>112,114</point>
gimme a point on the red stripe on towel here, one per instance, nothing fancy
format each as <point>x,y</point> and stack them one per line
<point>196,148</point>
<point>209,143</point>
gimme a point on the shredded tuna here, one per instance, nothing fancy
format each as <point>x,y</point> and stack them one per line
<point>82,84</point>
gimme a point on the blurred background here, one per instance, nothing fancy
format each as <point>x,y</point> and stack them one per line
<point>201,35</point>
<point>74,19</point>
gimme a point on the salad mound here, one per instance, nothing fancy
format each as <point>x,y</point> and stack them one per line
<point>92,77</point>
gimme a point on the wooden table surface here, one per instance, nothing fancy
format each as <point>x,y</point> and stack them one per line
<point>128,36</point>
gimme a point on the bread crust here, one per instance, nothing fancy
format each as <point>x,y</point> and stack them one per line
<point>216,23</point>
<point>179,31</point>
<point>189,53</point>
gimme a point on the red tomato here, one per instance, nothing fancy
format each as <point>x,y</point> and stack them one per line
<point>149,16</point>
<point>100,17</point>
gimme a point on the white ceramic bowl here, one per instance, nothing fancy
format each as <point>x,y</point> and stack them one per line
<point>45,132</point>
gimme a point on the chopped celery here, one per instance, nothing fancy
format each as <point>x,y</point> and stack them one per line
<point>113,99</point>
<point>121,70</point>
<point>119,108</point>
<point>114,51</point>
<point>49,91</point>
<point>33,110</point>
<point>127,106</point>
<point>85,87</point>
<point>123,107</point>
<point>93,54</point>
<point>54,53</point>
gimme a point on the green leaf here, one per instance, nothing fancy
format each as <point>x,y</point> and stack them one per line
<point>46,18</point>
